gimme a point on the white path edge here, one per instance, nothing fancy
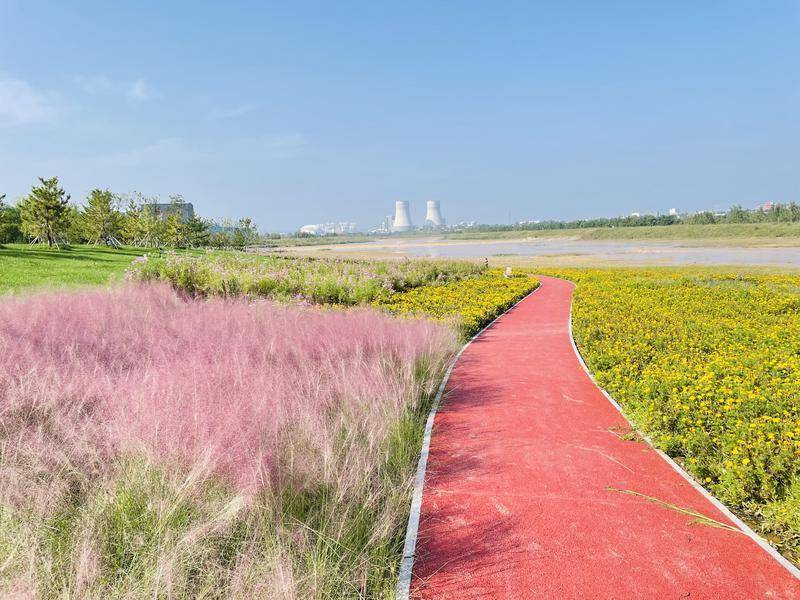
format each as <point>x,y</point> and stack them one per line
<point>410,546</point>
<point>409,549</point>
<point>765,545</point>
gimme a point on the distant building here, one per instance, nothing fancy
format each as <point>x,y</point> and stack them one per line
<point>385,226</point>
<point>767,206</point>
<point>340,228</point>
<point>433,216</point>
<point>184,210</point>
<point>636,214</point>
<point>673,212</point>
<point>216,228</point>
<point>310,229</point>
<point>402,217</point>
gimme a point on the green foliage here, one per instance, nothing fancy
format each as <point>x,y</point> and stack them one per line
<point>101,218</point>
<point>74,230</point>
<point>245,233</point>
<point>779,213</point>
<point>471,302</point>
<point>152,227</point>
<point>132,225</point>
<point>315,280</point>
<point>44,212</point>
<point>10,225</point>
<point>197,232</point>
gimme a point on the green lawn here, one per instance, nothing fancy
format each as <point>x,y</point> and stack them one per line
<point>24,266</point>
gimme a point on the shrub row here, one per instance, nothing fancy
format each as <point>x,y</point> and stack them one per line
<point>320,281</point>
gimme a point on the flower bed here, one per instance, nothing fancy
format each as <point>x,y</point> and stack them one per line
<point>707,362</point>
<point>471,303</point>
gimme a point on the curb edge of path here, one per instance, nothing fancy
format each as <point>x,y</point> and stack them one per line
<point>744,527</point>
<point>412,530</point>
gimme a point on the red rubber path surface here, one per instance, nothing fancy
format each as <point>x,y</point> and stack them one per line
<point>517,503</point>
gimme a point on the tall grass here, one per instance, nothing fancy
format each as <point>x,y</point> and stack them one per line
<point>155,446</point>
<point>319,281</point>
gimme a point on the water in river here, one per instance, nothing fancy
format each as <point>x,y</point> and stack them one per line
<point>665,253</point>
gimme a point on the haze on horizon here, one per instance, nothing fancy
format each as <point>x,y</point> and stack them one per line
<point>315,112</point>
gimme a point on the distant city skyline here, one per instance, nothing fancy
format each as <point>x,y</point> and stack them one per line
<point>318,113</point>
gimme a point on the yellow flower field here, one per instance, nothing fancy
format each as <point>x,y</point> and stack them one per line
<point>471,303</point>
<point>707,362</point>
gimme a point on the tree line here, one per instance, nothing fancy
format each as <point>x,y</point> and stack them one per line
<point>46,215</point>
<point>778,213</point>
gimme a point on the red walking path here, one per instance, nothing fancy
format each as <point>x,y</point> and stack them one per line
<point>525,489</point>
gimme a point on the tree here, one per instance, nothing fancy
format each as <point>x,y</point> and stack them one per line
<point>132,227</point>
<point>245,233</point>
<point>44,212</point>
<point>737,214</point>
<point>10,224</point>
<point>101,218</point>
<point>74,229</point>
<point>141,224</point>
<point>152,225</point>
<point>197,232</point>
<point>221,234</point>
<point>175,229</point>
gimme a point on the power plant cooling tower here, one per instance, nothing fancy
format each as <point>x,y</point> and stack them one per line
<point>402,216</point>
<point>434,218</point>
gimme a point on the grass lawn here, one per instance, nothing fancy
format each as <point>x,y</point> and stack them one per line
<point>24,266</point>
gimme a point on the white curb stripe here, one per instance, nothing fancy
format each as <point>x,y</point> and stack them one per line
<point>724,509</point>
<point>410,546</point>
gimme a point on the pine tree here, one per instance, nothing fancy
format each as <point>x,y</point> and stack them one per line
<point>197,232</point>
<point>101,219</point>
<point>44,211</point>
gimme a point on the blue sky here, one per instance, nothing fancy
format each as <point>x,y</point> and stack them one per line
<point>300,112</point>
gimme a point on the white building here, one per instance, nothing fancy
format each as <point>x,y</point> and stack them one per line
<point>338,228</point>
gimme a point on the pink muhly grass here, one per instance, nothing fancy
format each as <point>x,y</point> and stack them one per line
<point>260,392</point>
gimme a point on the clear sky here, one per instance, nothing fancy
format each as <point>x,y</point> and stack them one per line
<point>300,112</point>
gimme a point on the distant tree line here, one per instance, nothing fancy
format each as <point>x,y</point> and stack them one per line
<point>46,215</point>
<point>778,213</point>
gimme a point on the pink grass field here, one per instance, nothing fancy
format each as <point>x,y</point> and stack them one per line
<point>255,391</point>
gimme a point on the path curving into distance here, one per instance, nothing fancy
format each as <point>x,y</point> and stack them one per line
<point>528,481</point>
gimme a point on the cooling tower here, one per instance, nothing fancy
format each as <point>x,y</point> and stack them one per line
<point>402,216</point>
<point>434,218</point>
